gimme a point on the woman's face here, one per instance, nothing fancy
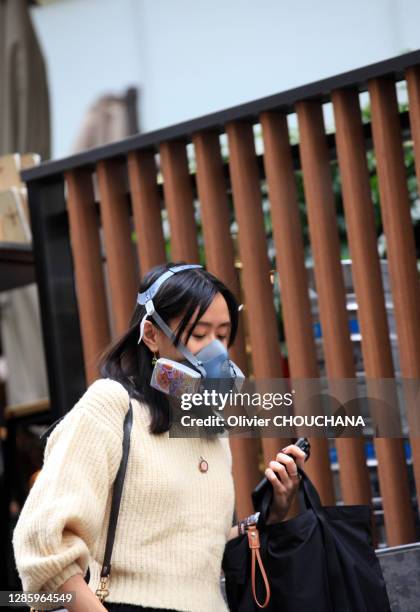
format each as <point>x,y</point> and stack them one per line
<point>214,324</point>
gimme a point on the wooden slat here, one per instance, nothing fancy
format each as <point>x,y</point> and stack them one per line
<point>266,356</point>
<point>398,228</point>
<point>354,476</point>
<point>413,86</point>
<point>366,273</point>
<point>179,201</point>
<point>290,262</point>
<point>220,259</point>
<point>88,268</point>
<point>146,209</point>
<point>119,251</point>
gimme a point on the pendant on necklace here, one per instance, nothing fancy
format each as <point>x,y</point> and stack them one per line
<point>203,466</point>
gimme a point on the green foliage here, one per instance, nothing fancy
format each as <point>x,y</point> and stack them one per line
<point>336,186</point>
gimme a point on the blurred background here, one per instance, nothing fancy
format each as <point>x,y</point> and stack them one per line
<point>188,59</point>
<point>278,144</point>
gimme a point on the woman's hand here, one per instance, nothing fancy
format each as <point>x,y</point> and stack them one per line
<point>283,475</point>
<point>85,599</point>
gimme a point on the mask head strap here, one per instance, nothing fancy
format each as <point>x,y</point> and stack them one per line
<point>149,294</point>
<point>146,299</point>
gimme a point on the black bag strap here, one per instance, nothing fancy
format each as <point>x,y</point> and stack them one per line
<point>117,493</point>
<point>307,492</point>
<point>50,428</point>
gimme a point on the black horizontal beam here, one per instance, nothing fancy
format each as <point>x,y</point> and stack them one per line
<point>284,102</point>
<point>331,146</point>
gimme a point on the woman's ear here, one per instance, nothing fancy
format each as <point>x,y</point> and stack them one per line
<point>150,336</point>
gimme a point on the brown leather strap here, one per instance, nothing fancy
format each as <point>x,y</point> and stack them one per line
<point>254,544</point>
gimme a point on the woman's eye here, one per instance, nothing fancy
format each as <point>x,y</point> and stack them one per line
<point>203,336</point>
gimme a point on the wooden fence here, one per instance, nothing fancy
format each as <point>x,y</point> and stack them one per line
<point>87,206</point>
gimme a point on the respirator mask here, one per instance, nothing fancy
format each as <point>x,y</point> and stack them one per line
<point>209,369</point>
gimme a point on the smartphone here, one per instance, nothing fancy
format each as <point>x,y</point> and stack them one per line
<point>264,485</point>
<point>303,444</point>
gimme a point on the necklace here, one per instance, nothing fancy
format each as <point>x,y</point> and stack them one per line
<point>203,465</point>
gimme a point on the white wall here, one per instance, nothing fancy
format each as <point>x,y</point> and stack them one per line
<point>192,57</point>
<point>91,48</point>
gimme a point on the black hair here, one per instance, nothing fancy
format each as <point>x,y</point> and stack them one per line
<point>130,363</point>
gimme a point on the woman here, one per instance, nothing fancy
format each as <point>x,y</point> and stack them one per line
<point>178,498</point>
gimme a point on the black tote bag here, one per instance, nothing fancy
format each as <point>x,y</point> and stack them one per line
<point>322,559</point>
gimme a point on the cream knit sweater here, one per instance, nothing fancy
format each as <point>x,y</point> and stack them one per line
<point>174,520</point>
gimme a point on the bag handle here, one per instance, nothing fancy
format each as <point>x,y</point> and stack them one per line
<point>308,493</point>
<point>102,592</point>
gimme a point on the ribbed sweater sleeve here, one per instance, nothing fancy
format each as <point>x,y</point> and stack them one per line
<point>64,511</point>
